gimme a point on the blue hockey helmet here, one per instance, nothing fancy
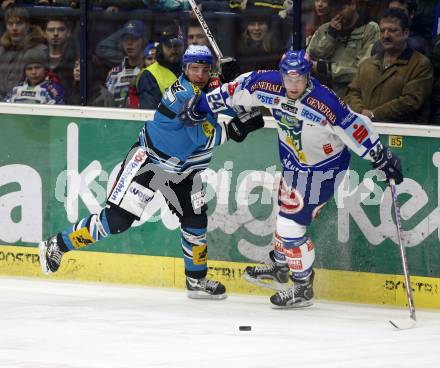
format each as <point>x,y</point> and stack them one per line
<point>295,62</point>
<point>197,54</point>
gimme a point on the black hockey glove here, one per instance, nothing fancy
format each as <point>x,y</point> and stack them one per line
<point>244,123</point>
<point>388,163</point>
<point>230,69</point>
<point>188,114</point>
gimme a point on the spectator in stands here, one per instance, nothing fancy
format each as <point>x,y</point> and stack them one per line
<point>337,47</point>
<point>153,80</point>
<point>167,5</point>
<point>426,19</point>
<point>62,49</point>
<point>195,35</point>
<point>415,41</point>
<point>7,3</point>
<point>39,86</point>
<point>320,16</point>
<point>66,3</point>
<point>120,77</point>
<point>268,6</point>
<point>109,50</point>
<point>435,100</point>
<point>114,6</point>
<point>395,85</point>
<point>150,54</point>
<point>97,94</point>
<point>259,47</point>
<point>19,37</point>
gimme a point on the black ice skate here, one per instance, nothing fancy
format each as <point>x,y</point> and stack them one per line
<point>298,296</point>
<point>50,255</point>
<point>275,275</point>
<point>205,289</point>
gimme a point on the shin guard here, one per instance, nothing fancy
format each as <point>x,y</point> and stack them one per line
<point>195,251</point>
<point>297,248</point>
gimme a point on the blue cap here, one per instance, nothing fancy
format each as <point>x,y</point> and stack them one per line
<point>134,28</point>
<point>148,50</point>
<point>197,54</point>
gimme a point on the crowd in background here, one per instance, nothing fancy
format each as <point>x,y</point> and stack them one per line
<point>381,57</point>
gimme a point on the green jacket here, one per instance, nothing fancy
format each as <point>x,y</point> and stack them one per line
<point>399,93</point>
<point>339,54</point>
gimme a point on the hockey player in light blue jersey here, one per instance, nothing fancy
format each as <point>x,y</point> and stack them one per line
<point>315,130</point>
<point>168,156</point>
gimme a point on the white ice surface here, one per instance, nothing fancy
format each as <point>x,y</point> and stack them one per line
<point>53,324</point>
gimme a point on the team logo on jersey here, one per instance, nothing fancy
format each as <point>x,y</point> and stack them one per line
<point>174,88</point>
<point>214,82</point>
<point>360,133</point>
<point>292,127</point>
<point>267,86</point>
<point>266,98</point>
<point>321,107</point>
<point>231,88</point>
<point>290,199</point>
<point>208,129</point>
<point>327,148</point>
<point>310,115</point>
<point>348,120</point>
<point>28,93</point>
<point>292,109</point>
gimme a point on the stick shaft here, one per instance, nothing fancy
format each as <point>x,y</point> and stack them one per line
<point>408,288</point>
<point>206,29</point>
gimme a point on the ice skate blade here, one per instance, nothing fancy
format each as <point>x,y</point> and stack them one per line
<point>42,250</point>
<point>198,294</point>
<point>403,324</point>
<point>269,283</point>
<point>298,305</point>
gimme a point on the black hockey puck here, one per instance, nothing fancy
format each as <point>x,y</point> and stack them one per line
<point>245,328</point>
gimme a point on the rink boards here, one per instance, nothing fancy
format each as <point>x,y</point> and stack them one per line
<point>57,164</point>
<point>348,286</point>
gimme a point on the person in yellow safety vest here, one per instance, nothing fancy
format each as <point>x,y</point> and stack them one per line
<point>152,81</point>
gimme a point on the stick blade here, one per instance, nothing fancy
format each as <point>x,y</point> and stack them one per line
<point>403,324</point>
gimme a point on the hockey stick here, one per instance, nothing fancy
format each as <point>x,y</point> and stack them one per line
<point>208,33</point>
<point>403,324</point>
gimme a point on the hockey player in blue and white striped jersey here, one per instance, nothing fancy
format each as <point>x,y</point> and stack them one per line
<point>168,156</point>
<point>315,132</point>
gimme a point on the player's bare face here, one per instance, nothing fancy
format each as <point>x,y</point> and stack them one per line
<point>133,46</point>
<point>257,30</point>
<point>173,53</point>
<point>56,33</point>
<point>35,73</point>
<point>196,36</point>
<point>198,74</point>
<point>295,85</point>
<point>16,29</point>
